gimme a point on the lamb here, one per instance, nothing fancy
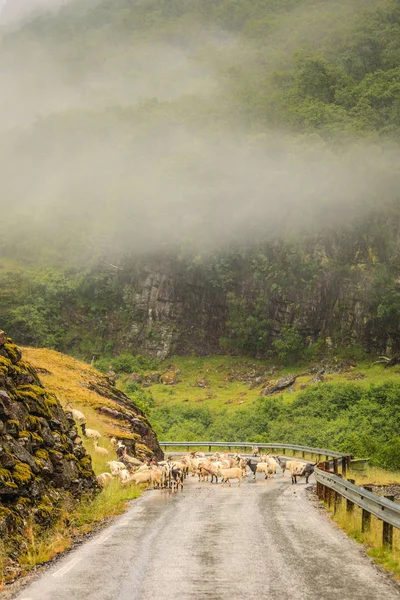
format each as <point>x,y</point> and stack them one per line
<point>79,417</point>
<point>104,478</point>
<point>228,474</point>
<point>99,449</point>
<point>90,433</point>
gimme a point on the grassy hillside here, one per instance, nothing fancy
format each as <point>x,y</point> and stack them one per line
<point>73,383</point>
<point>335,403</point>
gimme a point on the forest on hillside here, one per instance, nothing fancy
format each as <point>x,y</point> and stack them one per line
<point>248,146</point>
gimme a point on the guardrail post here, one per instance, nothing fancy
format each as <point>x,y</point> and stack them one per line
<point>344,466</point>
<point>327,457</point>
<point>209,448</point>
<point>303,454</point>
<point>387,531</point>
<point>335,465</point>
<point>349,503</point>
<point>365,515</point>
<point>337,501</point>
<point>283,450</point>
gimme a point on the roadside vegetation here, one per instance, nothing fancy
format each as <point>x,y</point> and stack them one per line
<point>351,521</point>
<point>334,403</point>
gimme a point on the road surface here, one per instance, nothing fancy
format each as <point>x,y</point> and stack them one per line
<point>263,540</point>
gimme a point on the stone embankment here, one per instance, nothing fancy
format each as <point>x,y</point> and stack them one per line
<point>43,463</point>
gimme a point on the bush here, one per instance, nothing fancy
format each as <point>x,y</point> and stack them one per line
<point>290,346</point>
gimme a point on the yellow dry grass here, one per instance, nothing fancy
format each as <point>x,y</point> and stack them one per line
<point>69,378</point>
<point>350,522</point>
<point>374,476</point>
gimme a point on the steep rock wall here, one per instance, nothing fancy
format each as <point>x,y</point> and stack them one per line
<point>42,460</point>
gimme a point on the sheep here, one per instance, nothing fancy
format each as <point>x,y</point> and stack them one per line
<point>296,468</point>
<point>176,478</point>
<point>282,463</point>
<point>142,477</point>
<point>115,466</point>
<point>123,474</point>
<point>103,479</point>
<point>255,451</point>
<point>99,449</point>
<point>208,468</point>
<point>263,467</point>
<point>143,468</point>
<point>90,433</point>
<point>114,442</point>
<point>228,474</point>
<point>272,465</point>
<point>252,466</point>
<point>300,469</point>
<point>156,477</point>
<point>78,416</point>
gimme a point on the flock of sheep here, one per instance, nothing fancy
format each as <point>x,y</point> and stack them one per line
<point>171,473</point>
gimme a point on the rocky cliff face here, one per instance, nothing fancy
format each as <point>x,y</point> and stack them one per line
<point>42,460</point>
<point>343,286</point>
<point>335,288</point>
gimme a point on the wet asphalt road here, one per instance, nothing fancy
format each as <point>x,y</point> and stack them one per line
<point>263,540</point>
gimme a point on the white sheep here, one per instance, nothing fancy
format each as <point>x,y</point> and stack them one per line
<point>99,450</point>
<point>115,466</point>
<point>142,477</point>
<point>78,416</point>
<point>90,433</point>
<point>123,475</point>
<point>103,479</point>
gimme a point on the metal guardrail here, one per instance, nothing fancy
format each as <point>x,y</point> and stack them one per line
<point>330,485</point>
<point>277,446</point>
<point>381,507</point>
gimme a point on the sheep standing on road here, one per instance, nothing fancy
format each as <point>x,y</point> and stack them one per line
<point>228,474</point>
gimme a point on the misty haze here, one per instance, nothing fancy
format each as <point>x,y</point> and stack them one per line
<point>199,299</point>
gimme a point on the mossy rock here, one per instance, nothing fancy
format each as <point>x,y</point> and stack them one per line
<point>13,352</point>
<point>42,454</point>
<point>22,473</point>
<point>5,475</point>
<point>49,401</point>
<point>70,457</point>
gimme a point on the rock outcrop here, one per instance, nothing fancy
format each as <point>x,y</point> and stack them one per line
<point>42,460</point>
